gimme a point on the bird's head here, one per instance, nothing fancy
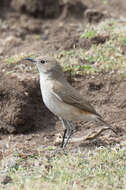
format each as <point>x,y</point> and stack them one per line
<point>47,66</point>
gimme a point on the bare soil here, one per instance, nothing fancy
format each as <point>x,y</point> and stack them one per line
<point>24,119</point>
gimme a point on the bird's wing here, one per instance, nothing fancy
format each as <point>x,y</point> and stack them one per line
<point>66,93</point>
<point>69,95</point>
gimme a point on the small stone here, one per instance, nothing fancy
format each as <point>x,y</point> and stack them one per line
<point>6,180</point>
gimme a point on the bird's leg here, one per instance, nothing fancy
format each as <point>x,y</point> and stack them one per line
<point>70,126</point>
<point>62,144</point>
<point>64,123</point>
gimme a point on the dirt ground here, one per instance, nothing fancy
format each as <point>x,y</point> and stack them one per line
<point>24,120</point>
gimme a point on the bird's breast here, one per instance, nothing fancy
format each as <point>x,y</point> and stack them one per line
<point>60,108</point>
<point>65,111</point>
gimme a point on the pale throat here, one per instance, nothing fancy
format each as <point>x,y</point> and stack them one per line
<point>52,75</point>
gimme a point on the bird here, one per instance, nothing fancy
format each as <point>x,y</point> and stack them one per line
<point>62,99</point>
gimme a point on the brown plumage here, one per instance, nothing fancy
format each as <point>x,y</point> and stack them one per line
<point>61,98</point>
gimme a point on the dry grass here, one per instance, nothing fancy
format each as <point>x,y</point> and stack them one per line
<point>102,168</point>
<point>108,57</point>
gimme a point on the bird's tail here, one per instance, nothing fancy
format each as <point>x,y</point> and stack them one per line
<point>108,125</point>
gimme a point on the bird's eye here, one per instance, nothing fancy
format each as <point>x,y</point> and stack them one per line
<point>43,61</point>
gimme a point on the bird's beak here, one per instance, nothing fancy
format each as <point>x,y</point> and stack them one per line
<point>30,59</point>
